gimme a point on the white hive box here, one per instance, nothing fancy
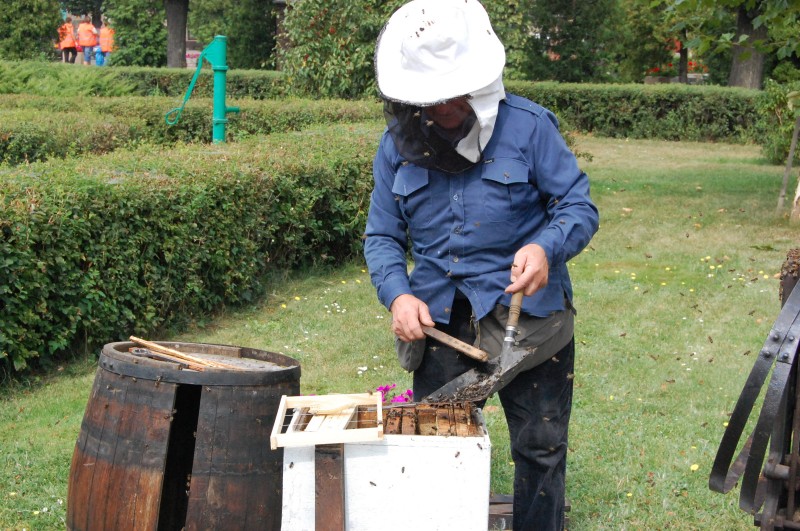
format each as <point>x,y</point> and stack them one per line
<point>436,479</point>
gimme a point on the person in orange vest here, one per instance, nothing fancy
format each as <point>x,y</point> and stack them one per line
<point>66,41</point>
<point>106,44</point>
<point>87,38</point>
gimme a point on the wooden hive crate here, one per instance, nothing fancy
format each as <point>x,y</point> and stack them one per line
<point>430,470</point>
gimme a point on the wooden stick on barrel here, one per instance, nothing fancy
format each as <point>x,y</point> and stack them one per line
<point>155,347</point>
<point>160,356</point>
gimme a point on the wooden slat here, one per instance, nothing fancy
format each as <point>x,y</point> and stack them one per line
<point>444,420</point>
<point>367,417</point>
<point>202,465</point>
<point>101,484</point>
<point>157,430</point>
<point>460,418</point>
<point>85,455</point>
<point>336,422</point>
<point>126,467</point>
<point>475,429</point>
<point>394,422</point>
<point>242,473</point>
<point>263,484</point>
<point>409,421</point>
<point>329,487</point>
<point>426,419</point>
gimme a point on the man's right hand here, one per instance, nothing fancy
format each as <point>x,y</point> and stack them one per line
<point>409,315</point>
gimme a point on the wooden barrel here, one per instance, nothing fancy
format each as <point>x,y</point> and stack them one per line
<point>165,447</point>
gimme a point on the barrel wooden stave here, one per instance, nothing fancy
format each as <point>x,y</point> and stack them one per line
<point>236,478</point>
<point>117,466</point>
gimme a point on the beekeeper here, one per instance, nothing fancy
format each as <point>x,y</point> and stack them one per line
<point>481,187</point>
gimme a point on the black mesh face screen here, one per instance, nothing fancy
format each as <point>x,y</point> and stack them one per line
<point>420,141</point>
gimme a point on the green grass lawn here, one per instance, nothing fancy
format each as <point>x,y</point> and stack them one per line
<point>675,295</point>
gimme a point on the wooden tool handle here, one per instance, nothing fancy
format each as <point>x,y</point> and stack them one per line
<point>457,344</point>
<point>514,309</point>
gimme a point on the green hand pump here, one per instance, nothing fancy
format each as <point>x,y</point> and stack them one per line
<point>216,54</point>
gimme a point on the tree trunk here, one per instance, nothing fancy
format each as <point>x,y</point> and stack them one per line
<point>794,217</point>
<point>177,13</point>
<point>683,65</point>
<point>788,170</point>
<point>683,59</point>
<point>747,66</point>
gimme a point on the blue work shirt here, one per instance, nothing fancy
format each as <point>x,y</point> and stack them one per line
<point>464,229</point>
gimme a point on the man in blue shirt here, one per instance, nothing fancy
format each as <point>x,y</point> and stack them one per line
<point>483,190</point>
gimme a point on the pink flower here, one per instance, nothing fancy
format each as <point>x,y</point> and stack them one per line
<point>405,396</point>
<point>384,390</point>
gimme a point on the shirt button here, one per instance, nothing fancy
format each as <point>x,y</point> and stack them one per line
<point>457,230</point>
<point>455,259</point>
<point>455,197</point>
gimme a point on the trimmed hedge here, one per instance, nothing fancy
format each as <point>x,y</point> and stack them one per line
<point>670,112</point>
<point>667,112</point>
<point>29,135</point>
<point>34,128</point>
<point>97,248</point>
<point>47,79</point>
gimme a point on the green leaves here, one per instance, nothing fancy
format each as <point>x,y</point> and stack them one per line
<point>28,29</point>
<point>331,46</point>
<point>670,112</point>
<point>99,247</point>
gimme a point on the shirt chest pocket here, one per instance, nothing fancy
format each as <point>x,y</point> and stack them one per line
<point>412,192</point>
<point>505,188</point>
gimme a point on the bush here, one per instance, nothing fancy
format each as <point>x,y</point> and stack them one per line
<point>331,46</point>
<point>98,248</point>
<point>776,121</point>
<point>47,79</point>
<point>30,135</point>
<point>29,29</point>
<point>140,37</point>
<point>668,112</point>
<point>36,128</point>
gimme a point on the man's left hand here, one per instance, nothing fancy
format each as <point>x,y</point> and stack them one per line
<point>530,270</point>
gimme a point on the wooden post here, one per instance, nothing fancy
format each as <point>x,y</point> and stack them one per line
<point>329,478</point>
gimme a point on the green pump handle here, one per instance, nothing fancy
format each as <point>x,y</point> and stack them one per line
<point>214,53</point>
<point>174,115</point>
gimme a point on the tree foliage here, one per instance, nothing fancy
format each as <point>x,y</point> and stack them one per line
<point>512,23</point>
<point>85,7</point>
<point>332,42</point>
<point>641,40</point>
<point>249,26</point>
<point>29,28</point>
<point>140,33</point>
<point>331,45</point>
<point>571,41</point>
<point>765,27</point>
